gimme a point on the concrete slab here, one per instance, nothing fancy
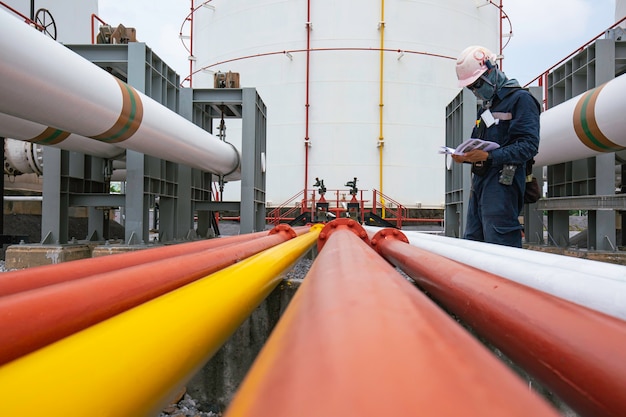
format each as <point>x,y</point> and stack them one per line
<point>108,249</point>
<point>28,255</point>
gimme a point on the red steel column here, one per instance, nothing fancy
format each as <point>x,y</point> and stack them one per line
<point>579,353</point>
<point>359,340</point>
<point>32,319</point>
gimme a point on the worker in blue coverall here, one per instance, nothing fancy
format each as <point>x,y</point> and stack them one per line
<point>509,116</point>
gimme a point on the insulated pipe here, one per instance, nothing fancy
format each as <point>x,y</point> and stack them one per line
<point>603,270</point>
<point>23,198</point>
<point>358,339</point>
<point>45,82</point>
<point>129,365</point>
<point>22,157</point>
<point>596,285</point>
<point>27,279</point>
<point>25,130</point>
<point>32,319</point>
<point>576,352</point>
<point>587,125</point>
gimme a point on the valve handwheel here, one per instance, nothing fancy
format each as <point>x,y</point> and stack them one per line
<point>45,23</point>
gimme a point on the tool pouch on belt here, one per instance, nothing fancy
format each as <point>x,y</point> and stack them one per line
<point>480,168</point>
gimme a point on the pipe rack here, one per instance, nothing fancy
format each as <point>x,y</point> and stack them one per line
<point>358,338</point>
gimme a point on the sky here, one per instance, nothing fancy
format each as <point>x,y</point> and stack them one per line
<point>544,32</point>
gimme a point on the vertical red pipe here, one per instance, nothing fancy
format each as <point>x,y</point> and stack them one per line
<point>306,104</point>
<point>578,353</point>
<point>501,48</point>
<point>192,11</point>
<point>358,339</point>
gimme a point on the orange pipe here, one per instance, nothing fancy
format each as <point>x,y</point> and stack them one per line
<point>358,339</point>
<point>580,354</point>
<point>32,319</point>
<point>27,279</point>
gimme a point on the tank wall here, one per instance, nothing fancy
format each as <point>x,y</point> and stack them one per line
<point>72,18</point>
<point>344,86</point>
<point>620,11</point>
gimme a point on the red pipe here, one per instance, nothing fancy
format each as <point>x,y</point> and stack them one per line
<point>27,279</point>
<point>30,320</point>
<point>191,45</point>
<point>358,339</point>
<point>306,104</point>
<point>580,354</point>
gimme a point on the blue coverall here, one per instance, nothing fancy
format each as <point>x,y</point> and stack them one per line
<point>494,208</point>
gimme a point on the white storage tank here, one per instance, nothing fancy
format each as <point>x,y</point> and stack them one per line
<point>620,11</point>
<point>68,20</point>
<point>325,56</point>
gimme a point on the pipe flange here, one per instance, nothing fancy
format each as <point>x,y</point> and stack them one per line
<point>283,228</point>
<point>341,224</point>
<point>385,235</point>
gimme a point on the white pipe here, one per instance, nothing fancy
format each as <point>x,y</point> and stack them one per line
<point>584,266</point>
<point>23,198</point>
<point>44,82</point>
<point>22,157</point>
<point>604,289</point>
<point>25,130</point>
<point>587,125</point>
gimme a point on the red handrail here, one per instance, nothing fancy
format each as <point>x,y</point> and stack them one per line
<point>274,216</point>
<point>93,26</point>
<point>399,213</point>
<point>542,78</point>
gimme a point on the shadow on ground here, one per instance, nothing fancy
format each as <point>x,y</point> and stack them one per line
<point>30,225</point>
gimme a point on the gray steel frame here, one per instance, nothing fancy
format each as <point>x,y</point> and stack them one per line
<point>460,119</point>
<point>73,179</point>
<point>246,104</point>
<point>586,184</point>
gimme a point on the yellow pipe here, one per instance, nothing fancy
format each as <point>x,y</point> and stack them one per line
<point>130,365</point>
<point>381,137</point>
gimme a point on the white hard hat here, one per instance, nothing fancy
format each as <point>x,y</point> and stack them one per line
<point>473,62</point>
